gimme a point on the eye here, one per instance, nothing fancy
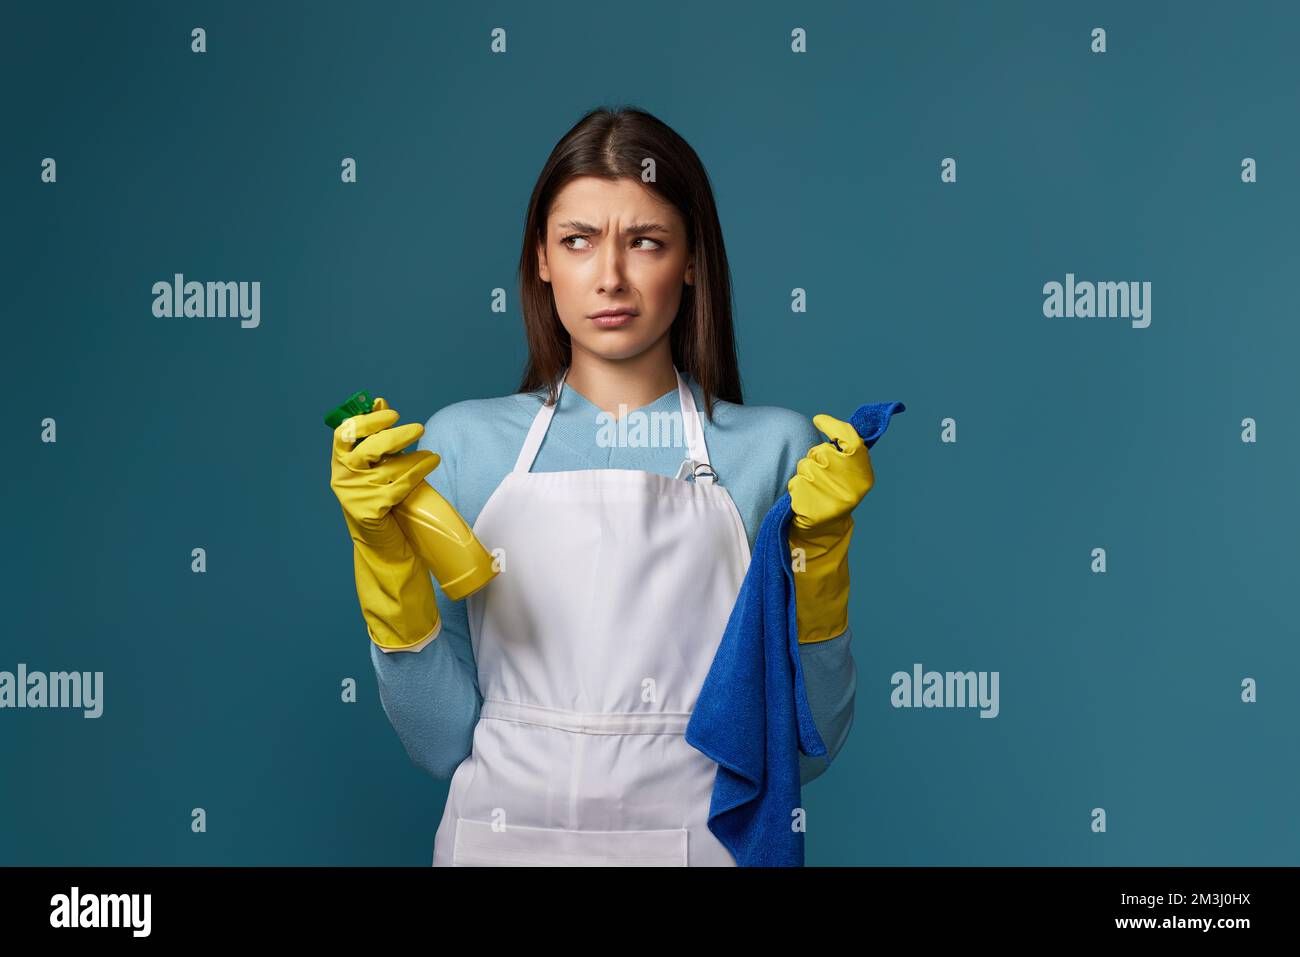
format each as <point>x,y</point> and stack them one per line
<point>640,239</point>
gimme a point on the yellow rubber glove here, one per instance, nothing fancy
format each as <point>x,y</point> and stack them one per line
<point>828,484</point>
<point>394,586</point>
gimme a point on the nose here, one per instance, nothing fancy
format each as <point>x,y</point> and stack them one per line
<point>612,278</point>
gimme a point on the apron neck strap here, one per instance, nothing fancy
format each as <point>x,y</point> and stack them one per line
<point>697,452</point>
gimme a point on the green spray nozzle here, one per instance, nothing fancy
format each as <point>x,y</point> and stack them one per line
<point>358,403</point>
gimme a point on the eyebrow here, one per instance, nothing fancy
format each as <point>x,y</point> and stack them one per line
<point>636,229</point>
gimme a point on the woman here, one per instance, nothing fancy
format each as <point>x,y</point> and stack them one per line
<point>556,697</point>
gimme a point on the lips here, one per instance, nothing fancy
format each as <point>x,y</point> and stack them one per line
<point>612,318</point>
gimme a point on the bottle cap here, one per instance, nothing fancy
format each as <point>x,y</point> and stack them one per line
<point>358,403</point>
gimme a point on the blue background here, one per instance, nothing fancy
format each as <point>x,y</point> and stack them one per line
<point>1119,691</point>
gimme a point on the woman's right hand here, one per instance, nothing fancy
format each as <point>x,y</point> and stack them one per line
<point>393,585</point>
<point>372,477</point>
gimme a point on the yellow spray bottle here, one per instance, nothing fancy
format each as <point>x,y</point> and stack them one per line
<point>437,533</point>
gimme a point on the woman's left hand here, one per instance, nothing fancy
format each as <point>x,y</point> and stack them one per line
<point>829,482</point>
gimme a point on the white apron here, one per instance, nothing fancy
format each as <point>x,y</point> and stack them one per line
<point>592,645</point>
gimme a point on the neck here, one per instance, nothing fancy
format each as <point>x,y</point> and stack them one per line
<point>633,383</point>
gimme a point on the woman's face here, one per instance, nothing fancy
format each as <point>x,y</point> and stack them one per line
<point>614,245</point>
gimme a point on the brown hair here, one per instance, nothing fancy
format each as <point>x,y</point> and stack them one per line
<point>612,144</point>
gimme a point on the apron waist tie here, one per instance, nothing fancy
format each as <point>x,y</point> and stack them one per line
<point>587,722</point>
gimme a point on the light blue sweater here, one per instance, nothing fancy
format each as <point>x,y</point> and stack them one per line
<point>431,696</point>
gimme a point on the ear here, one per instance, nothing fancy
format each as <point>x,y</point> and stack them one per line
<point>690,273</point>
<point>543,270</point>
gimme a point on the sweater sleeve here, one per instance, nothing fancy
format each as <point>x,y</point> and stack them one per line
<point>431,695</point>
<point>830,678</point>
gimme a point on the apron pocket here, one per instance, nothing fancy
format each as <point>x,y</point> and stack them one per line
<point>478,845</point>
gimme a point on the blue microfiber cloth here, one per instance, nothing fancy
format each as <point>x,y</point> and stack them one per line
<point>752,715</point>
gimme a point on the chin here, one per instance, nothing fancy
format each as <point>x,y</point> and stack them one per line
<point>615,352</point>
<point>614,344</point>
